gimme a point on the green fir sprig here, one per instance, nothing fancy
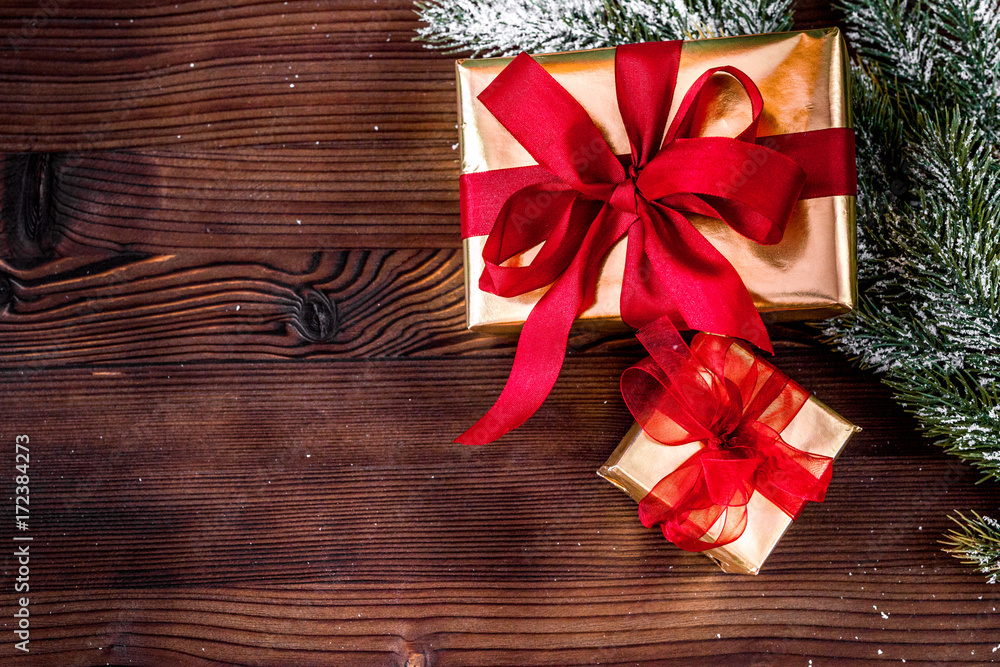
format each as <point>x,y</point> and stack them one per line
<point>942,54</point>
<point>976,541</point>
<point>927,109</point>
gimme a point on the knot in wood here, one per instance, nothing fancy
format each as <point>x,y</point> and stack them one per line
<point>26,202</point>
<point>36,196</point>
<point>6,292</point>
<point>316,317</point>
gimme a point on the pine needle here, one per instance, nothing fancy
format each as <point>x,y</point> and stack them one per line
<point>976,542</point>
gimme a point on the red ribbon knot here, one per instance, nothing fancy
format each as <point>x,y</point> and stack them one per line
<point>580,201</point>
<point>721,394</point>
<point>625,198</point>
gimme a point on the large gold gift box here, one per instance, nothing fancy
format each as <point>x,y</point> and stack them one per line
<point>639,462</point>
<point>803,78</point>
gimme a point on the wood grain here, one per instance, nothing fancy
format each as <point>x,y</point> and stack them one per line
<point>281,518</point>
<point>254,306</point>
<point>368,172</point>
<point>168,308</point>
<point>316,198</point>
<point>683,621</point>
<point>88,76</point>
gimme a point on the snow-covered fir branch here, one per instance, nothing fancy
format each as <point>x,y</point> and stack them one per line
<point>506,27</point>
<point>929,318</point>
<point>927,105</point>
<point>943,53</point>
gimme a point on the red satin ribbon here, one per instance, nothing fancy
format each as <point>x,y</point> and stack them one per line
<point>580,200</point>
<point>737,405</point>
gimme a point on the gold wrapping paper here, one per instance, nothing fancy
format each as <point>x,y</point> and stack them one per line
<point>639,462</point>
<point>802,76</point>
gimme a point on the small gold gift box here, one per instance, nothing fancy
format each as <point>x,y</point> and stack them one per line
<point>640,462</point>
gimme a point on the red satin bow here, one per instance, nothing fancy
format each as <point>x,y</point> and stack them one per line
<point>580,200</point>
<point>737,405</point>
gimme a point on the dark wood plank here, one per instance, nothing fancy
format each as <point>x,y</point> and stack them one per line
<point>252,306</point>
<point>689,617</point>
<point>853,393</point>
<point>317,514</point>
<point>91,76</point>
<point>133,309</point>
<point>315,198</point>
<point>344,186</point>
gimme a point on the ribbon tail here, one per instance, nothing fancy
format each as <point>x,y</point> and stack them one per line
<point>701,282</point>
<point>541,347</point>
<point>790,477</point>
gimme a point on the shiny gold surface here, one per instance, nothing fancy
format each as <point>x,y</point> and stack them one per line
<point>803,79</point>
<point>639,462</point>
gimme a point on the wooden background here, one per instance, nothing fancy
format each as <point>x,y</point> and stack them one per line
<point>232,324</point>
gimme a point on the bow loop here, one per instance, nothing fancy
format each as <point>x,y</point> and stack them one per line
<point>702,504</point>
<point>645,78</point>
<point>674,397</point>
<point>683,123</point>
<point>547,214</point>
<point>553,127</point>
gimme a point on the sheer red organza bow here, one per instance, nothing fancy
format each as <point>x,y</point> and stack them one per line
<point>737,405</point>
<point>581,199</point>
